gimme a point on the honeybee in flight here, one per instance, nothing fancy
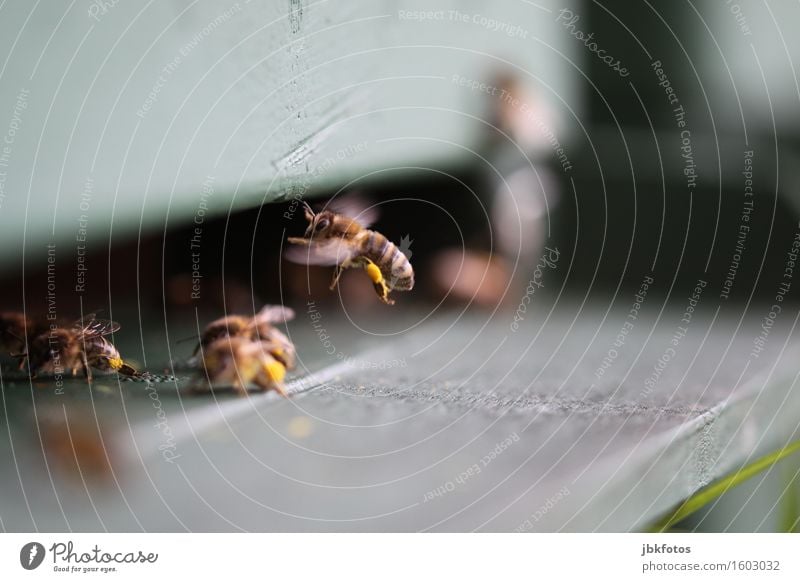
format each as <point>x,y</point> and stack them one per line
<point>80,347</point>
<point>257,329</point>
<point>341,237</point>
<point>239,362</point>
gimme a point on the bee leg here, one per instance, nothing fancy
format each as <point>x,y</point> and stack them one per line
<point>378,282</point>
<point>239,387</point>
<point>266,384</point>
<point>23,358</point>
<point>336,274</point>
<point>383,293</point>
<point>86,369</point>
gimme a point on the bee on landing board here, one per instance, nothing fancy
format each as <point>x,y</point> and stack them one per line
<point>102,355</point>
<point>257,329</point>
<point>79,347</point>
<point>342,238</point>
<point>15,329</point>
<point>239,362</point>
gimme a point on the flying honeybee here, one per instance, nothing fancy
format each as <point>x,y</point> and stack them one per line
<point>76,348</point>
<point>239,362</point>
<point>341,237</point>
<point>259,328</point>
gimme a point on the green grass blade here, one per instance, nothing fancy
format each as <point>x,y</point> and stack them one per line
<point>715,490</point>
<point>790,514</point>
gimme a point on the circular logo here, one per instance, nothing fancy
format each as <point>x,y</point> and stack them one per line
<point>31,555</point>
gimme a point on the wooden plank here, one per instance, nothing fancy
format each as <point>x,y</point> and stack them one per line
<point>147,116</point>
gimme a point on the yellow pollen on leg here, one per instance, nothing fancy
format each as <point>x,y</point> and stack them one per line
<point>374,273</point>
<point>275,371</point>
<point>115,363</point>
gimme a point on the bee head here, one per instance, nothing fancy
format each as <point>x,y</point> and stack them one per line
<point>320,224</point>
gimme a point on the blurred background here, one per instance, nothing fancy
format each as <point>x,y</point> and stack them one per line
<point>154,156</point>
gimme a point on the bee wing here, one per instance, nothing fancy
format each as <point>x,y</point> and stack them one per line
<point>325,253</point>
<point>354,205</point>
<point>275,314</point>
<point>85,320</point>
<point>90,327</point>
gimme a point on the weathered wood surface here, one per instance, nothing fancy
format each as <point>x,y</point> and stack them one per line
<point>460,425</point>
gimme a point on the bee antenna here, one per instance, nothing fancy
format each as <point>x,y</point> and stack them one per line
<point>186,339</point>
<point>11,333</point>
<point>308,207</point>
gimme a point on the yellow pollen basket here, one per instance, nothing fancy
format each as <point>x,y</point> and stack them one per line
<point>115,363</point>
<point>374,273</point>
<point>275,371</point>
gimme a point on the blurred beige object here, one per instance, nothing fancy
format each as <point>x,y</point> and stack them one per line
<point>472,276</point>
<point>527,119</point>
<point>526,191</point>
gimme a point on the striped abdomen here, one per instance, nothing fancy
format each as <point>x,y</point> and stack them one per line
<point>394,266</point>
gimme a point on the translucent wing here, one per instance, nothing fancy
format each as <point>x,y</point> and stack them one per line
<point>355,206</point>
<point>90,327</point>
<point>324,253</point>
<point>275,314</point>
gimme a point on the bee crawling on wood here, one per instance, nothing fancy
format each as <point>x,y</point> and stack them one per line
<point>341,237</point>
<point>239,362</point>
<point>15,329</point>
<point>260,328</point>
<point>79,347</point>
